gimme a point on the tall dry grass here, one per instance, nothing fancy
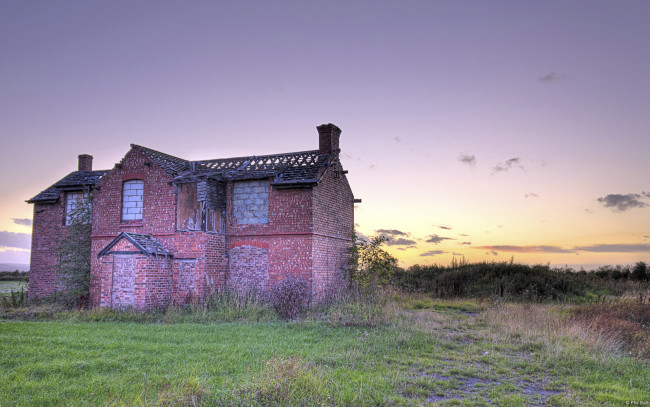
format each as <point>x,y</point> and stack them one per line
<point>611,330</point>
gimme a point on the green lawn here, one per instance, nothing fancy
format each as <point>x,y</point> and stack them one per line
<point>446,354</point>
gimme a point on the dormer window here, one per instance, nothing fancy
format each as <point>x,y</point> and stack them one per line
<point>132,200</point>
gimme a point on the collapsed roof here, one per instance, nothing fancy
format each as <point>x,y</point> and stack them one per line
<point>288,170</point>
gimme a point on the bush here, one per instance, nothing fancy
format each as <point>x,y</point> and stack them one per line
<point>15,299</point>
<point>290,297</point>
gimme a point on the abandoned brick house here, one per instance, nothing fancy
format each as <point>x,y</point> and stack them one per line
<point>167,229</point>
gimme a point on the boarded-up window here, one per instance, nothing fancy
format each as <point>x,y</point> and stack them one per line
<point>187,277</point>
<point>250,202</point>
<point>123,292</point>
<point>132,200</point>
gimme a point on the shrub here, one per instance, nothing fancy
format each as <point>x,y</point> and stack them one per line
<point>370,265</point>
<point>290,297</point>
<point>15,299</point>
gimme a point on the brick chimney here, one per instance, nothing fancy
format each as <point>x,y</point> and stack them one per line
<point>85,162</point>
<point>328,138</point>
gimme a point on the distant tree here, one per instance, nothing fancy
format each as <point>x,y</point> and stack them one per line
<point>370,265</point>
<point>74,255</point>
<point>640,271</point>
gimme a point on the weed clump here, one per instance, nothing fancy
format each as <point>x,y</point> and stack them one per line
<point>290,296</point>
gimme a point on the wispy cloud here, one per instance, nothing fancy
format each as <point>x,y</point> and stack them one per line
<point>407,247</point>
<point>444,227</point>
<point>551,77</point>
<point>526,249</point>
<point>432,253</point>
<point>394,238</point>
<point>596,248</point>
<point>491,253</point>
<point>507,165</point>
<point>531,195</point>
<point>623,202</point>
<point>466,243</point>
<point>391,232</point>
<point>22,221</point>
<point>14,240</point>
<point>397,139</point>
<point>615,248</point>
<point>467,159</point>
<point>400,242</point>
<point>435,239</point>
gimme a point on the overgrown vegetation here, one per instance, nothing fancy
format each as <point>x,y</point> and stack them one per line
<point>74,249</point>
<point>370,265</point>
<point>290,296</point>
<point>510,280</point>
<point>14,276</point>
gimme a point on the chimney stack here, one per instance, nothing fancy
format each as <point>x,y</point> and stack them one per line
<point>328,138</point>
<point>85,162</point>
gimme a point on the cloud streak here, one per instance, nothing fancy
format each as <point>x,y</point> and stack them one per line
<point>12,240</point>
<point>435,239</point>
<point>22,221</point>
<point>391,232</point>
<point>615,248</point>
<point>509,164</point>
<point>467,159</point>
<point>432,253</point>
<point>596,248</point>
<point>526,249</point>
<point>623,202</point>
<point>400,242</point>
<point>551,78</point>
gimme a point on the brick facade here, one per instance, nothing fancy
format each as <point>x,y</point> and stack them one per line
<point>187,234</point>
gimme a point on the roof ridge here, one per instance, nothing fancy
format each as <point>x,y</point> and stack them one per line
<point>257,156</point>
<point>171,164</point>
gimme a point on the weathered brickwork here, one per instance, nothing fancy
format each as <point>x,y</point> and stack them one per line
<point>249,268</point>
<point>333,220</point>
<point>185,239</point>
<point>48,227</point>
<point>159,199</point>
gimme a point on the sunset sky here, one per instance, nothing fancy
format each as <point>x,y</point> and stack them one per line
<point>484,129</point>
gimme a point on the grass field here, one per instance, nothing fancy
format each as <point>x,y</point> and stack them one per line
<point>421,351</point>
<point>8,286</point>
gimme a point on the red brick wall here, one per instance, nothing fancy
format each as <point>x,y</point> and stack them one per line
<point>159,201</point>
<point>48,228</point>
<point>287,235</point>
<point>207,250</point>
<point>333,221</point>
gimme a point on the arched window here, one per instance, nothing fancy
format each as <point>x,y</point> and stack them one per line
<point>132,200</point>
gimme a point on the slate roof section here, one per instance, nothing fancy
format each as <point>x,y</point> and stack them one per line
<point>302,168</point>
<point>73,181</point>
<point>170,164</point>
<point>147,244</point>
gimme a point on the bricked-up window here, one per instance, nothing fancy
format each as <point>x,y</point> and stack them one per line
<point>132,200</point>
<point>72,200</point>
<point>250,202</point>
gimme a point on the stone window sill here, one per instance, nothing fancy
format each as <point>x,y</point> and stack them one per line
<point>131,224</point>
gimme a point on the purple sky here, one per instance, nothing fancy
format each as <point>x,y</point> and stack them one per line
<point>551,99</point>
